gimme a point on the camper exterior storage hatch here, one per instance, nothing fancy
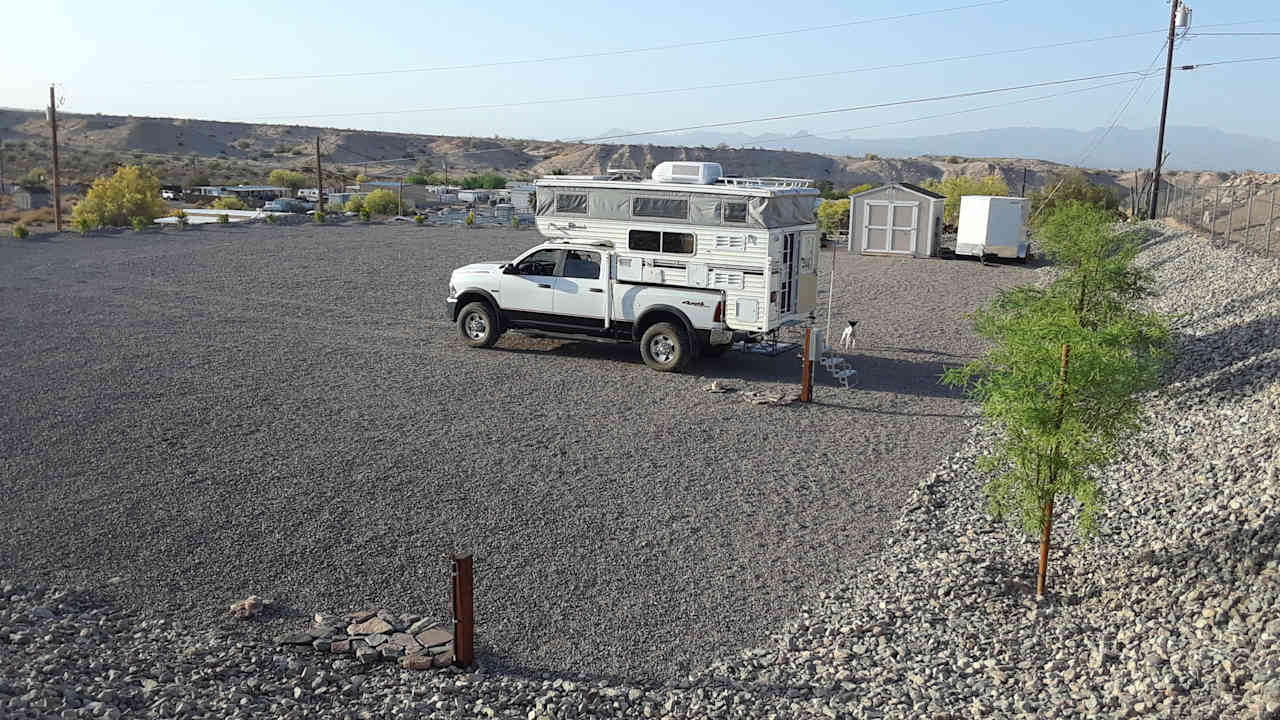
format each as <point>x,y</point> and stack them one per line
<point>992,225</point>
<point>689,226</point>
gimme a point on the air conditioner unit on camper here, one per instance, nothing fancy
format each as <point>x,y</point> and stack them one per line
<point>692,173</point>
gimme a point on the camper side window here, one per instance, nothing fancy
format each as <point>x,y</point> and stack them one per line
<point>735,212</point>
<point>571,203</point>
<point>644,240</point>
<point>674,208</point>
<point>664,242</point>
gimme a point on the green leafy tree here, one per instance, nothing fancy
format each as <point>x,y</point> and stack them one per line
<point>291,179</point>
<point>20,231</point>
<point>484,181</point>
<point>1072,186</point>
<point>381,202</point>
<point>229,203</point>
<point>833,216</point>
<point>355,204</point>
<point>132,192</point>
<point>1061,379</point>
<point>416,179</point>
<point>957,187</point>
<point>362,178</point>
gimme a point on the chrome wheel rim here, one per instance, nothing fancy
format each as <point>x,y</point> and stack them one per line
<point>475,326</point>
<point>662,349</point>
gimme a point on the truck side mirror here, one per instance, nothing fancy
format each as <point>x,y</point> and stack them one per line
<point>509,269</point>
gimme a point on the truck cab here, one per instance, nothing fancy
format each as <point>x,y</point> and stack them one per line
<point>570,290</point>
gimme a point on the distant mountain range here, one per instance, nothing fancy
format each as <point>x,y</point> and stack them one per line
<point>1188,148</point>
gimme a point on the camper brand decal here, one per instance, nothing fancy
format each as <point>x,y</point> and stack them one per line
<point>695,304</point>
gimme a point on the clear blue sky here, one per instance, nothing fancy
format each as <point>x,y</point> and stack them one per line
<point>178,59</point>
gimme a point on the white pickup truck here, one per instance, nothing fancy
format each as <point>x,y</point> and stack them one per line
<point>564,289</point>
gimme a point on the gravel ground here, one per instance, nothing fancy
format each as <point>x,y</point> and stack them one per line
<point>283,411</point>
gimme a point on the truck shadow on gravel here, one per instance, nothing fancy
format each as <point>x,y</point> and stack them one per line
<point>876,373</point>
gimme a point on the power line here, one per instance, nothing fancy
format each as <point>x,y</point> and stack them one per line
<point>791,116</point>
<point>611,53</point>
<point>942,115</point>
<point>1197,66</point>
<point>1232,34</point>
<point>741,83</point>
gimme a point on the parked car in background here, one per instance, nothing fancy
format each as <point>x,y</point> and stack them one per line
<point>170,194</point>
<point>289,205</point>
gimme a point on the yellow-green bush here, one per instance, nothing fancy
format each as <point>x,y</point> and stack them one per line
<point>132,192</point>
<point>229,203</point>
<point>382,202</point>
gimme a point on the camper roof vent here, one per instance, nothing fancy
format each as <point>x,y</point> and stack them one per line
<point>692,173</point>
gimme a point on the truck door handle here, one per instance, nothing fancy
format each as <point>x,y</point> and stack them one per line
<point>544,285</point>
<point>596,290</point>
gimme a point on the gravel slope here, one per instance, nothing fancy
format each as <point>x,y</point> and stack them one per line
<point>282,411</point>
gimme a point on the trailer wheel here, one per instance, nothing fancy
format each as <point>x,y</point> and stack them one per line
<point>665,348</point>
<point>477,325</point>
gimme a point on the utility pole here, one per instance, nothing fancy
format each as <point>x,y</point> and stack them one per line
<point>53,135</point>
<point>400,197</point>
<point>1024,183</point>
<point>1164,108</point>
<point>319,180</point>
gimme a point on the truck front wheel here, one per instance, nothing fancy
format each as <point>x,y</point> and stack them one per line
<point>665,348</point>
<point>478,325</point>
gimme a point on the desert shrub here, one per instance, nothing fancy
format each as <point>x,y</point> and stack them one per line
<point>242,144</point>
<point>871,156</point>
<point>484,181</point>
<point>419,219</point>
<point>223,219</point>
<point>139,224</point>
<point>34,179</point>
<point>229,203</point>
<point>271,219</point>
<point>416,179</point>
<point>471,219</point>
<point>355,204</point>
<point>132,192</point>
<point>1072,187</point>
<point>20,231</point>
<point>515,222</point>
<point>83,225</point>
<point>318,216</point>
<point>954,188</point>
<point>381,202</point>
<point>291,179</point>
<point>365,215</point>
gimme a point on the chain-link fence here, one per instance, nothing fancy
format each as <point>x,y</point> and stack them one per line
<point>1243,215</point>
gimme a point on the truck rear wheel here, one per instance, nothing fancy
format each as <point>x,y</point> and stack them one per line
<point>477,325</point>
<point>665,348</point>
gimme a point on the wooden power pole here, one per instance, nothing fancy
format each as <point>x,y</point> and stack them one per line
<point>1164,109</point>
<point>53,136</point>
<point>319,180</point>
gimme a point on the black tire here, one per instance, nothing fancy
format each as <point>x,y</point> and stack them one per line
<point>665,347</point>
<point>715,351</point>
<point>478,325</point>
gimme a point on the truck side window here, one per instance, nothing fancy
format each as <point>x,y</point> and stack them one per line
<point>542,262</point>
<point>581,264</point>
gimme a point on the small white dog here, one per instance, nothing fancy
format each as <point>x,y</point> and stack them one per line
<point>849,338</point>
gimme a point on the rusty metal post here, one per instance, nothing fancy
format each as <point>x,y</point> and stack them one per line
<point>806,369</point>
<point>1213,217</point>
<point>1231,214</point>
<point>464,619</point>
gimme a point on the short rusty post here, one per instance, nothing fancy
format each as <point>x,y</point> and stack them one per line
<point>806,369</point>
<point>464,619</point>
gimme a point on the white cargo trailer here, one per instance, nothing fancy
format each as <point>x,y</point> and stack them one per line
<point>993,225</point>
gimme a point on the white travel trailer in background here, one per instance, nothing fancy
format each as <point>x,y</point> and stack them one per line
<point>755,239</point>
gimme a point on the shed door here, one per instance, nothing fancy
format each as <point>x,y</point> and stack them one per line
<point>890,226</point>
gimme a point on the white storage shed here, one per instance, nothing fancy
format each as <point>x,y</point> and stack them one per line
<point>896,219</point>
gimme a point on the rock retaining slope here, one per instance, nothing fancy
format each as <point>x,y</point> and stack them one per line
<point>1171,611</point>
